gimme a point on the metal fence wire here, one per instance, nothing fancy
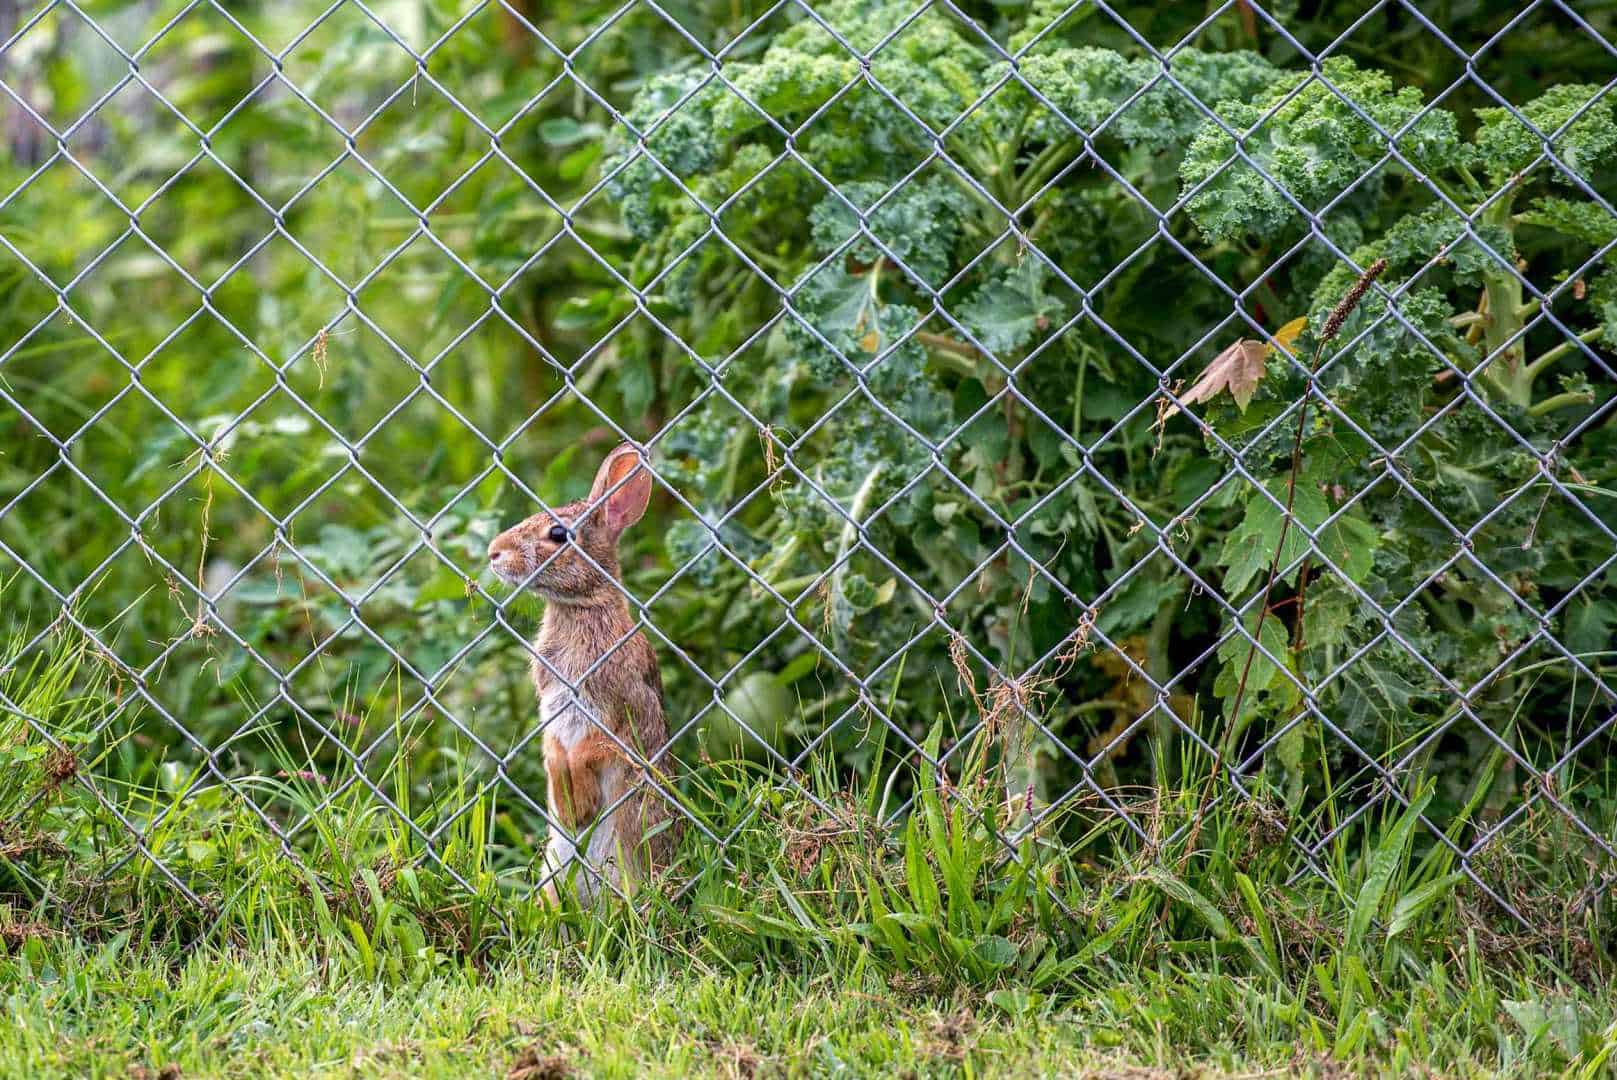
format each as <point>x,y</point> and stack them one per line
<point>52,140</point>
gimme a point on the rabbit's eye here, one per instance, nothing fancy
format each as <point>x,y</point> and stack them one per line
<point>558,534</point>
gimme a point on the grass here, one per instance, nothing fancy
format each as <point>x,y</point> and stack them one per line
<point>832,941</point>
<point>285,1014</point>
<point>110,1011</point>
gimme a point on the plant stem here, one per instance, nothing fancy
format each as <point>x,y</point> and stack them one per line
<point>1235,727</point>
<point>1561,401</point>
<point>1078,392</point>
<point>1007,163</point>
<point>1048,162</point>
<point>953,351</point>
<point>850,529</point>
<point>732,462</point>
<point>1504,297</point>
<point>1332,325</point>
<point>1506,368</point>
<point>1588,337</point>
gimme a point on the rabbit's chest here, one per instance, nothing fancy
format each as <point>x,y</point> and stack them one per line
<point>568,660</point>
<point>568,715</point>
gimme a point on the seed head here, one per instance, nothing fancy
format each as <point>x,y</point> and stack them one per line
<point>1344,308</point>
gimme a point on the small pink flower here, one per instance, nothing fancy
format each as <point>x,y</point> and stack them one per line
<point>306,775</point>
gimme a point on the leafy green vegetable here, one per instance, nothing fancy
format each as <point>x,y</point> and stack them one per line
<point>919,271</point>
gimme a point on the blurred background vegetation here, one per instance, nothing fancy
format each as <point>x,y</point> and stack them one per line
<point>437,262</point>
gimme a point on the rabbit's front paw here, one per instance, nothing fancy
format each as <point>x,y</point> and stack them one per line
<point>574,775</point>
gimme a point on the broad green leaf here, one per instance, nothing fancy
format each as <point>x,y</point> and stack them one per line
<point>1015,1002</point>
<point>1590,628</point>
<point>1263,674</point>
<point>563,131</point>
<point>1349,542</point>
<point>444,585</point>
<point>1008,310</point>
<point>1179,891</point>
<point>1415,903</point>
<point>994,951</point>
<point>1388,856</point>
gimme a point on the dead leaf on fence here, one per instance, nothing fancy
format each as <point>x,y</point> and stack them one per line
<point>1239,369</point>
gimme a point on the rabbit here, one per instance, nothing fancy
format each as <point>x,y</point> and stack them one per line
<point>588,773</point>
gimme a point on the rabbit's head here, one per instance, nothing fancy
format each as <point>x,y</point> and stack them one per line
<point>547,551</point>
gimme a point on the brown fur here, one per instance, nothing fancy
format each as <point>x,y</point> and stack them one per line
<point>586,618</point>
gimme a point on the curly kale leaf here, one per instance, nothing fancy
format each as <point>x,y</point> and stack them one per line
<point>919,224</point>
<point>1036,32</point>
<point>1380,361</point>
<point>682,140</point>
<point>1506,146</point>
<point>1586,221</point>
<point>697,457</point>
<point>713,139</point>
<point>1434,235</point>
<point>1006,311</point>
<point>838,309</point>
<point>1314,146</point>
<point>845,331</point>
<point>1377,376</point>
<point>932,65</point>
<point>1088,85</point>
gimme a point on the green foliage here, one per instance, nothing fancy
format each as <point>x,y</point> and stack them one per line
<point>1319,141</point>
<point>1041,958</point>
<point>1460,311</point>
<point>1110,936</point>
<point>822,291</point>
<point>910,298</point>
<point>1578,123</point>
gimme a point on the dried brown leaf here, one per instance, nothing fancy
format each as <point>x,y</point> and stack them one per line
<point>1237,369</point>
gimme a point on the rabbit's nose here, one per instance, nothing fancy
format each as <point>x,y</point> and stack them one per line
<point>499,553</point>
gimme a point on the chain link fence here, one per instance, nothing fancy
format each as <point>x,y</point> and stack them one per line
<point>253,684</point>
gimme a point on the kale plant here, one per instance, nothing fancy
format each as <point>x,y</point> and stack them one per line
<point>957,288</point>
<point>1460,479</point>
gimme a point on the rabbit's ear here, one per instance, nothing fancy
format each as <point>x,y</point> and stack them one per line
<point>626,504</point>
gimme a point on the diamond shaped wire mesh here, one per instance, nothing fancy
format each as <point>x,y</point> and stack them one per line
<point>282,300</point>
